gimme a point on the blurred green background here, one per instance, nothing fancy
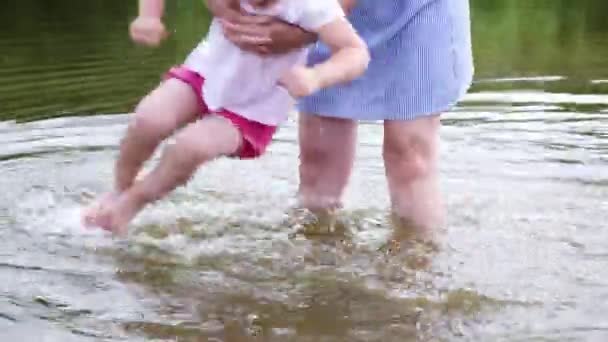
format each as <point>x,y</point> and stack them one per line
<point>66,57</point>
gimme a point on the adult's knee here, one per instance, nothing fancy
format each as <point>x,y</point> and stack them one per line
<point>409,157</point>
<point>320,188</point>
<point>312,159</point>
<point>325,143</point>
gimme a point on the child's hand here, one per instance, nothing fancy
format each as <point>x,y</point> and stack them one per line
<point>148,31</point>
<point>301,81</point>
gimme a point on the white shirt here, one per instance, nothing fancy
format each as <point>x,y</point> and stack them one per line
<point>246,83</point>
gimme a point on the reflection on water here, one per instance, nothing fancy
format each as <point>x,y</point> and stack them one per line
<point>524,160</point>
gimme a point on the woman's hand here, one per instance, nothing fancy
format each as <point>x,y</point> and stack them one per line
<point>265,35</point>
<point>262,34</point>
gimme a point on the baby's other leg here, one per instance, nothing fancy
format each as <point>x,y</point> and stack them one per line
<point>167,108</point>
<point>199,142</point>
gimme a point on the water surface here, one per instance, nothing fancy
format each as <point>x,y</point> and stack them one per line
<point>524,175</point>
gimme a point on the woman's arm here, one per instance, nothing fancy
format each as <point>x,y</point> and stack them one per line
<point>223,8</point>
<point>249,32</point>
<point>274,37</point>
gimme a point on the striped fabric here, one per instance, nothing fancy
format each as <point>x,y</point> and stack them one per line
<point>421,64</point>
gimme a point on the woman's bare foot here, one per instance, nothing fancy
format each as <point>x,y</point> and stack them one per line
<point>90,215</point>
<point>116,217</point>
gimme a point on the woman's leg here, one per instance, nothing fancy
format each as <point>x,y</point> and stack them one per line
<point>196,144</point>
<point>167,108</point>
<point>411,152</point>
<point>327,149</point>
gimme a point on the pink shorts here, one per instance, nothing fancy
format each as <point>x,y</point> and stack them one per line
<point>256,136</point>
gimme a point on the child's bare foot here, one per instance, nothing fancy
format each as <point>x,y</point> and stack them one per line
<point>90,215</point>
<point>117,216</point>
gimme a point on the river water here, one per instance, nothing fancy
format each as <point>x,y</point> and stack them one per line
<point>524,171</point>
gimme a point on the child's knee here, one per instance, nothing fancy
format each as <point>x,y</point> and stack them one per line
<point>186,152</point>
<point>193,149</point>
<point>149,122</point>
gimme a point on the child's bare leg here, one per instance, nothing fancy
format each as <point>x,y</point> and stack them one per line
<point>198,143</point>
<point>169,107</point>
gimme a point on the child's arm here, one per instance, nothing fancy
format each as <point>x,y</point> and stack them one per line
<point>350,56</point>
<point>151,8</point>
<point>148,28</point>
<point>349,60</point>
<point>348,5</point>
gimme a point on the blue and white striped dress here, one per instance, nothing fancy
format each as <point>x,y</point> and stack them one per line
<point>421,64</point>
